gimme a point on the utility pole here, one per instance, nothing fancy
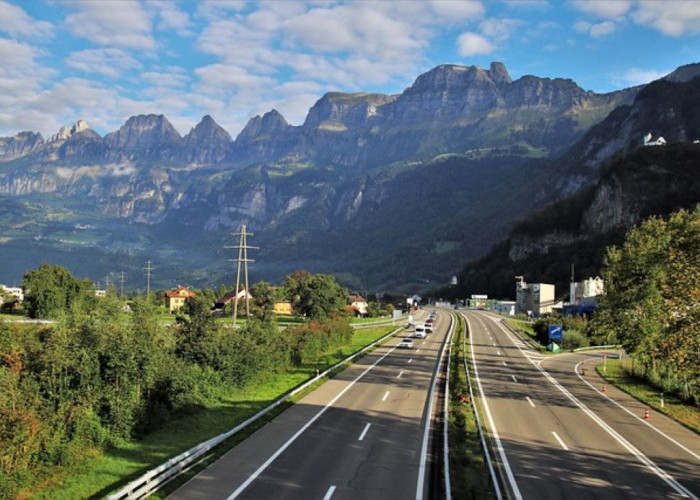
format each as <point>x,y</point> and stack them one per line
<point>242,259</point>
<point>122,285</point>
<point>149,271</point>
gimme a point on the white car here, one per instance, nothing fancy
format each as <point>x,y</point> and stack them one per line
<point>406,344</point>
<point>419,334</point>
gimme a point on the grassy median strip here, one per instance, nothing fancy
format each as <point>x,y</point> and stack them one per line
<point>468,472</point>
<point>97,476</point>
<point>618,374</point>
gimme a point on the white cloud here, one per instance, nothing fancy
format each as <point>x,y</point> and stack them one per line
<point>112,63</point>
<point>606,9</point>
<point>596,30</point>
<point>637,76</point>
<point>116,23</point>
<point>17,23</point>
<point>602,29</point>
<point>171,17</point>
<point>472,44</point>
<point>672,17</point>
<point>457,12</point>
<point>499,29</point>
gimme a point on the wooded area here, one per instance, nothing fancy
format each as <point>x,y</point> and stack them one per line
<point>104,372</point>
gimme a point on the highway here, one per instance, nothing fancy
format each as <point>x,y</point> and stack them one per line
<point>359,435</point>
<point>556,435</point>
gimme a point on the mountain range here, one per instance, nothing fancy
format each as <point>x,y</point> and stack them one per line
<point>385,191</point>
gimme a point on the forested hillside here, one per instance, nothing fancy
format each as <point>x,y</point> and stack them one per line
<point>543,246</point>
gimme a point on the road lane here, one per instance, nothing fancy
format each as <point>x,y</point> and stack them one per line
<point>327,457</point>
<point>596,464</point>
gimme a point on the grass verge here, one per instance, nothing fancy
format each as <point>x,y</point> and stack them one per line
<point>95,477</point>
<point>468,471</point>
<point>618,374</point>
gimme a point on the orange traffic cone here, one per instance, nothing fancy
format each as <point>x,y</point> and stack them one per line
<point>646,414</point>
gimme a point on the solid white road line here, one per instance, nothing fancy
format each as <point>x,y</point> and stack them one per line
<point>530,401</point>
<point>668,479</point>
<point>561,443</point>
<point>308,424</point>
<point>494,431</point>
<point>364,432</point>
<point>684,448</point>
<point>329,493</point>
<point>386,395</point>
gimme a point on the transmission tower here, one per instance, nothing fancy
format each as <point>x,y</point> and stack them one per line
<point>149,271</point>
<point>242,259</point>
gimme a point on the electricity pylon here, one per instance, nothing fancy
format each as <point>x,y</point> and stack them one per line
<point>242,258</point>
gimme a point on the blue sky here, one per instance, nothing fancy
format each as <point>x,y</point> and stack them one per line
<point>104,61</point>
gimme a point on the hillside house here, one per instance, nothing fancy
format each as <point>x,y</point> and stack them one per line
<point>358,305</point>
<point>16,292</point>
<point>177,298</point>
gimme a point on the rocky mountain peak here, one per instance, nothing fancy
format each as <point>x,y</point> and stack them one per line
<point>499,74</point>
<point>65,133</point>
<point>270,123</point>
<point>684,73</point>
<point>208,129</point>
<point>143,132</point>
<point>207,142</point>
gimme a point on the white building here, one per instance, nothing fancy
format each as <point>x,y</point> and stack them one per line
<point>534,299</point>
<point>16,292</point>
<point>660,141</point>
<point>585,290</point>
<point>504,307</point>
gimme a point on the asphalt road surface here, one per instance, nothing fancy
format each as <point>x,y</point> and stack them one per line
<point>359,435</point>
<point>557,435</point>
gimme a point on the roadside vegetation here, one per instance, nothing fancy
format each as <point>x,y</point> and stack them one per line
<point>468,472</point>
<point>106,392</point>
<point>621,374</point>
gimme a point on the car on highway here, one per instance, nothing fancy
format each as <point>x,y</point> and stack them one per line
<point>419,334</point>
<point>406,344</point>
<point>428,328</point>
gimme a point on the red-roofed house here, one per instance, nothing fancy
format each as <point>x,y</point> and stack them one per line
<point>175,299</point>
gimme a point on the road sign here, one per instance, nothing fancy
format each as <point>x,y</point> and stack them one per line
<point>555,333</point>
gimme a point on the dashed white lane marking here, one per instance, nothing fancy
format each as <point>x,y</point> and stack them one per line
<point>530,401</point>
<point>514,379</point>
<point>410,360</point>
<point>386,395</point>
<point>329,493</point>
<point>400,373</point>
<point>560,441</point>
<point>364,432</point>
<point>498,352</point>
<point>505,364</point>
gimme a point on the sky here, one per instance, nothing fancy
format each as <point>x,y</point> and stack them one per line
<point>103,61</point>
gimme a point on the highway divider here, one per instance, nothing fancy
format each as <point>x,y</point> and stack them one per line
<point>156,478</point>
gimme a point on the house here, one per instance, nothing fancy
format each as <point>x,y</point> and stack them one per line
<point>506,307</point>
<point>175,299</point>
<point>231,297</point>
<point>283,308</point>
<point>358,305</point>
<point>16,292</point>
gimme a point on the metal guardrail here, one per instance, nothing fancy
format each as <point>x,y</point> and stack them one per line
<point>445,419</point>
<point>154,479</point>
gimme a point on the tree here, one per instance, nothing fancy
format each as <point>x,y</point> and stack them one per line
<point>52,290</point>
<point>652,300</point>
<point>315,296</point>
<point>263,301</point>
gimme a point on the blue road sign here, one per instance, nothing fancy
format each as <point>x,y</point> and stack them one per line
<point>555,333</point>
